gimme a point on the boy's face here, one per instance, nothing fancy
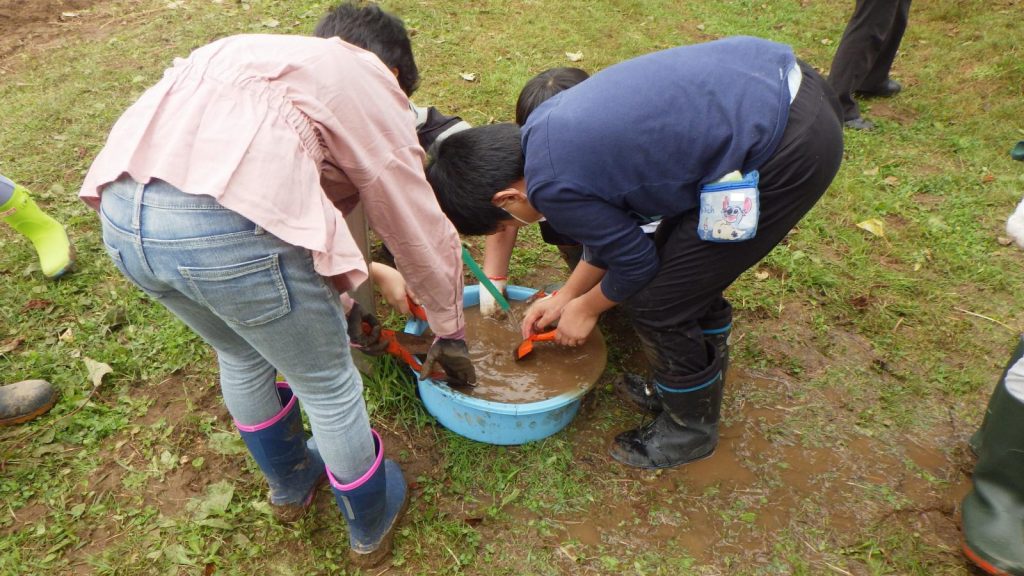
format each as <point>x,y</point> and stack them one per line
<point>507,224</point>
<point>514,202</point>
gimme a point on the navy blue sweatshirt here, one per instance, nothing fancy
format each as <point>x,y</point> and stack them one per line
<point>635,142</point>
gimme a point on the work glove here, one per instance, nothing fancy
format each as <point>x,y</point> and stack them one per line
<point>488,305</point>
<point>453,356</point>
<point>364,331</point>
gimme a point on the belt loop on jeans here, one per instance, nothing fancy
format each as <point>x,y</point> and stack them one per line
<point>137,206</point>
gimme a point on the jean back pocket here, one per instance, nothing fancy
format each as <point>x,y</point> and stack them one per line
<point>249,293</point>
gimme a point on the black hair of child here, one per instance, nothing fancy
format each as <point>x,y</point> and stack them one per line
<point>544,86</point>
<point>468,168</point>
<point>373,29</point>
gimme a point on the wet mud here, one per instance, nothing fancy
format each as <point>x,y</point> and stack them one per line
<point>549,371</point>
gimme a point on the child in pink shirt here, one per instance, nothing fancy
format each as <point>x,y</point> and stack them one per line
<point>222,193</point>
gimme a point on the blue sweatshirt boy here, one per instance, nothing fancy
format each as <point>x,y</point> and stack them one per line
<point>635,142</point>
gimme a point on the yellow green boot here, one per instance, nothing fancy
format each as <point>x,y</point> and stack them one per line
<point>56,254</point>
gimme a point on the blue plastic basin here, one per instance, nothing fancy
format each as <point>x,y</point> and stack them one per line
<point>495,422</point>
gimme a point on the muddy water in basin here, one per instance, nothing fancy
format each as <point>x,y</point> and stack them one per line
<point>550,370</point>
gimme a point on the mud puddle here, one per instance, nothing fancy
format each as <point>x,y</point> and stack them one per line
<point>763,480</point>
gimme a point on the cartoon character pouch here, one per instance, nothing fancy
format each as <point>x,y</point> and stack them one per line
<point>729,208</point>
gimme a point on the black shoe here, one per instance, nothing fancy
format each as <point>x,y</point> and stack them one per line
<point>888,88</point>
<point>859,124</point>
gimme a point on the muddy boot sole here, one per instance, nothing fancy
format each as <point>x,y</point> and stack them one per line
<point>19,397</point>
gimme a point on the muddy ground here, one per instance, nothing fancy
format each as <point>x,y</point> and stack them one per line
<point>763,462</point>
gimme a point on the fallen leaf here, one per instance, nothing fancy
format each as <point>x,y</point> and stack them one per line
<point>761,275</point>
<point>271,23</point>
<point>67,336</point>
<point>1002,240</point>
<point>988,178</point>
<point>871,171</point>
<point>700,27</point>
<point>11,345</point>
<point>226,443</point>
<point>826,41</point>
<point>574,56</point>
<point>97,370</point>
<point>891,180</point>
<point>36,304</point>
<point>468,76</point>
<point>874,226</point>
<point>860,302</point>
<point>214,503</point>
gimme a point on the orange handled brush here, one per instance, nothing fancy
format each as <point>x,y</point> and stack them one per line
<point>526,346</point>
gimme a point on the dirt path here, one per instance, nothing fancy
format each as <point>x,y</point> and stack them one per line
<point>29,23</point>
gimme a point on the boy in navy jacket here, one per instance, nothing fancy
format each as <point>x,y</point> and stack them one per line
<point>638,142</point>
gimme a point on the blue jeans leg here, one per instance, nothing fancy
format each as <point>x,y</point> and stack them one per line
<point>255,299</point>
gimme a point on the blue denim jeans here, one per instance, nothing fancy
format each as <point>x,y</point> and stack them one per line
<point>255,299</point>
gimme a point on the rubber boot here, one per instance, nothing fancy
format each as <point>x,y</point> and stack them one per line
<point>25,400</point>
<point>716,327</point>
<point>993,511</point>
<point>372,506</point>
<point>291,464</point>
<point>687,427</point>
<point>56,254</point>
<point>975,440</point>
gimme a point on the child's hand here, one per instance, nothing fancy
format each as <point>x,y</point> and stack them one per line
<point>542,313</point>
<point>391,285</point>
<point>576,324</point>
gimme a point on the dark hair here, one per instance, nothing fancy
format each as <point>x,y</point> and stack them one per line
<point>468,168</point>
<point>544,86</point>
<point>373,29</point>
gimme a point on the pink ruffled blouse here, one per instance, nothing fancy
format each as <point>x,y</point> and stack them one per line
<point>291,132</point>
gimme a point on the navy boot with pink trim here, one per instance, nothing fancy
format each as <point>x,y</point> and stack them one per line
<point>372,506</point>
<point>292,465</point>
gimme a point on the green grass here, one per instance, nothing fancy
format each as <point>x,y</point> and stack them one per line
<point>849,347</point>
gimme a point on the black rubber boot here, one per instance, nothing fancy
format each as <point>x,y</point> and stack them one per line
<point>993,511</point>
<point>975,440</point>
<point>716,327</point>
<point>687,427</point>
